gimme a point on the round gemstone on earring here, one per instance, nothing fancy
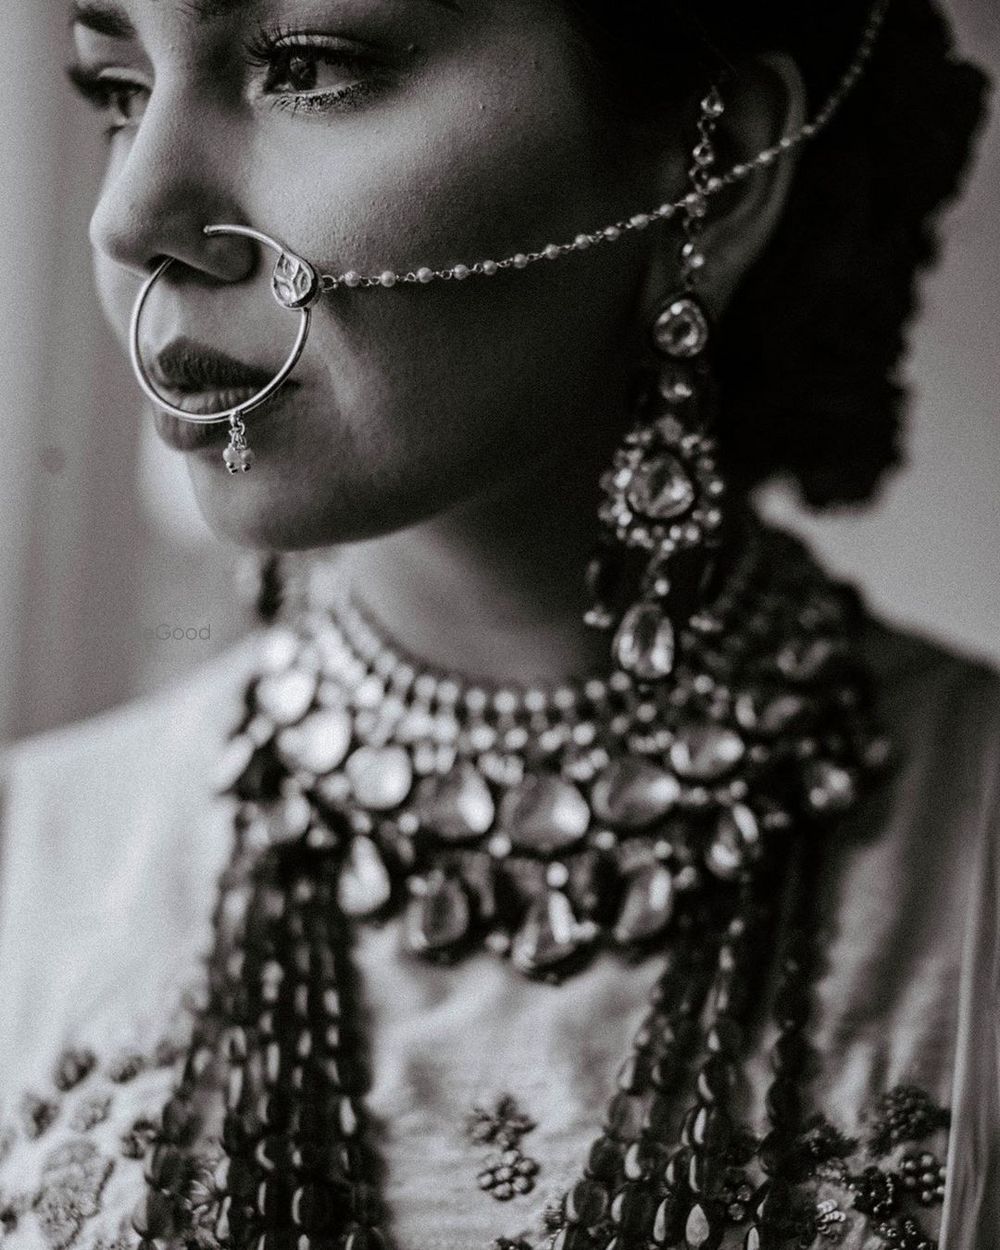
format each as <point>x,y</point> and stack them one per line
<point>661,489</point>
<point>681,329</point>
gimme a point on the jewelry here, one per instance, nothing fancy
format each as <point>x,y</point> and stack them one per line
<point>713,184</point>
<point>295,286</point>
<point>663,492</point>
<point>699,177</point>
<point>509,1172</point>
<point>544,827</point>
<point>674,1165</point>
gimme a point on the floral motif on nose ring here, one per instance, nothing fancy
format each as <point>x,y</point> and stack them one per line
<point>508,1172</point>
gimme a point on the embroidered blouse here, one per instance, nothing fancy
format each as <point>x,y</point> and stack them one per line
<point>110,845</point>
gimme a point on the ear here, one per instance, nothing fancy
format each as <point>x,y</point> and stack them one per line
<point>764,100</point>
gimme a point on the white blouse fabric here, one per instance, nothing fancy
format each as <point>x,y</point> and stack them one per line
<point>110,845</point>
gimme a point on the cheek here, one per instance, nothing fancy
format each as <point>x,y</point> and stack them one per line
<point>433,393</point>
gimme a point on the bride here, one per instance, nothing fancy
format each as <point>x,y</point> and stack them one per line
<point>567,860</point>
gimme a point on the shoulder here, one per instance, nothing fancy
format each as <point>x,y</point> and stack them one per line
<point>90,794</point>
<point>157,729</point>
<point>942,707</point>
<point>941,807</point>
<point>111,837</point>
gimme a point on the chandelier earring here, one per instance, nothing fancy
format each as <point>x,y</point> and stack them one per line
<point>661,510</point>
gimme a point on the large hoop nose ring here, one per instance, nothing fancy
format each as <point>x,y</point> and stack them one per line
<point>295,285</point>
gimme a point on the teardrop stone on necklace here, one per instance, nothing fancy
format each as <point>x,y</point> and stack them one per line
<point>549,935</point>
<point>381,777</point>
<point>631,793</point>
<point>285,697</point>
<point>661,489</point>
<point>645,642</point>
<point>544,814</point>
<point>364,885</point>
<point>439,916</point>
<point>648,905</point>
<point>319,743</point>
<point>736,838</point>
<point>456,806</point>
<point>706,752</point>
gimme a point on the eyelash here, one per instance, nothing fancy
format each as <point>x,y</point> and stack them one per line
<point>264,49</point>
<point>101,92</point>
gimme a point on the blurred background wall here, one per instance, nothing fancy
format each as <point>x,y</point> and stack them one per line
<point>102,551</point>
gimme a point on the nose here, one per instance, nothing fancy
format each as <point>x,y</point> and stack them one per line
<point>160,193</point>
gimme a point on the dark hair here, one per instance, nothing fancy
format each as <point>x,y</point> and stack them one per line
<point>810,347</point>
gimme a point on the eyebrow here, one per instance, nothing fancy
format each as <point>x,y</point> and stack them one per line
<point>107,19</point>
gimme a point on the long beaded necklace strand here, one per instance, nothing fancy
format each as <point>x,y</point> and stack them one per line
<point>711,866</point>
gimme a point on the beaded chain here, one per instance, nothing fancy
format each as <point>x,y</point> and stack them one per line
<point>280,1040</point>
<point>694,203</point>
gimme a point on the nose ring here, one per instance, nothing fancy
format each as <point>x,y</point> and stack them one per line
<point>295,285</point>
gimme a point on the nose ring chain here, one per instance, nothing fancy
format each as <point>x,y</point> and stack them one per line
<point>295,285</point>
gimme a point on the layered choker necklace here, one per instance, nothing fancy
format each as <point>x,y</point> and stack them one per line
<point>682,818</point>
<point>546,824</point>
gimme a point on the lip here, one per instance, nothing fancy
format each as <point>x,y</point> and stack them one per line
<point>202,380</point>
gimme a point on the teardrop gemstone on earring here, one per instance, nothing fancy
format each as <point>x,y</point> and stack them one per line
<point>645,642</point>
<point>661,489</point>
<point>681,329</point>
<point>294,282</point>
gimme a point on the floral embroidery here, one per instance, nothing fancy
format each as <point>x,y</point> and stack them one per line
<point>137,1140</point>
<point>906,1114</point>
<point>37,1115</point>
<point>73,1178</point>
<point>89,1113</point>
<point>72,1067</point>
<point>831,1221</point>
<point>871,1176</point>
<point>885,1176</point>
<point>124,1067</point>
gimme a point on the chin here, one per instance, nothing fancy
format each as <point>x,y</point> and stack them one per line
<point>278,506</point>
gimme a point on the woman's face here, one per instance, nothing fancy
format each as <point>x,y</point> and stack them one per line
<point>366,135</point>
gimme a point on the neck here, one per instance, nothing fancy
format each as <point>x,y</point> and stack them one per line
<point>494,589</point>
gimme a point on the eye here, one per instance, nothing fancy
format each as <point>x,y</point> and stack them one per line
<point>304,71</point>
<point>122,100</point>
<point>298,69</point>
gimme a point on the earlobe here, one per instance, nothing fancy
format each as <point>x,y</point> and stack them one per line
<point>762,106</point>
